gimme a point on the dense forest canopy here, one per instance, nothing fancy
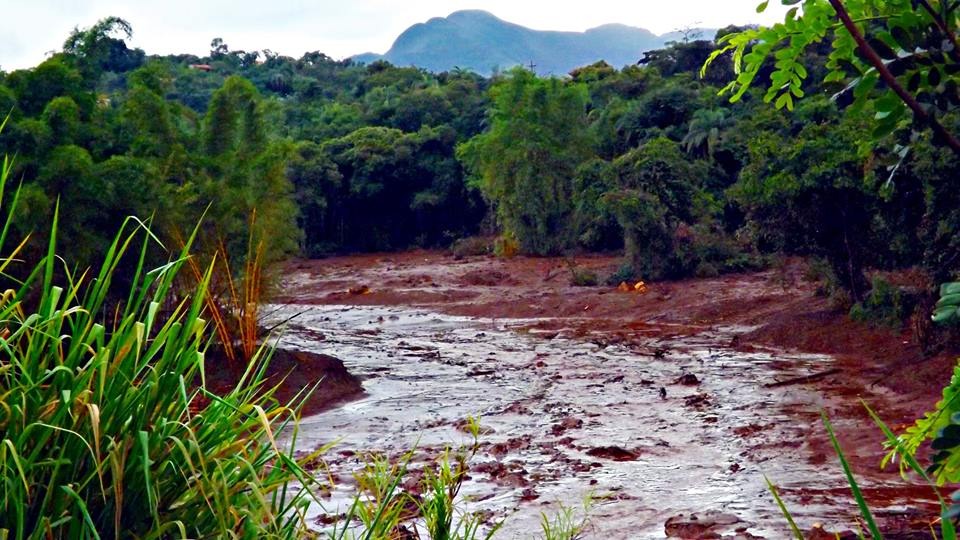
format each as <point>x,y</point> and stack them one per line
<point>334,156</point>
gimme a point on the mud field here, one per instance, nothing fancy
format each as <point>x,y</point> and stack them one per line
<point>667,408</point>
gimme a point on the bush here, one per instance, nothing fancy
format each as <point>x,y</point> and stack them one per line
<point>625,273</point>
<point>885,305</point>
<point>582,277</point>
<point>472,246</point>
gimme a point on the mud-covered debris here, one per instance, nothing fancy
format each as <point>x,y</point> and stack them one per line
<point>688,379</point>
<point>529,494</point>
<point>697,401</point>
<point>614,453</point>
<point>329,519</point>
<point>565,424</point>
<point>614,379</point>
<point>359,290</point>
<point>479,372</point>
<point>817,532</point>
<point>709,524</point>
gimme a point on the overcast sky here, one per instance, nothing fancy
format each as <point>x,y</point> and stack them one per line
<point>31,28</point>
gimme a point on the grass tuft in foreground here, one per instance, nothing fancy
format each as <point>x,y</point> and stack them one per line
<point>104,429</point>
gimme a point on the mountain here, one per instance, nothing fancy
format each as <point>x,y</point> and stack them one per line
<point>479,41</point>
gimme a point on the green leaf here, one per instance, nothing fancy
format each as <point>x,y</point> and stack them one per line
<point>848,472</point>
<point>881,48</point>
<point>763,6</point>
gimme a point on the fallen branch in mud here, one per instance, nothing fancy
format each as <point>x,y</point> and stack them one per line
<point>804,379</point>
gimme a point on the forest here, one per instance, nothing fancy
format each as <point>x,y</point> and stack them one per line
<point>715,156</point>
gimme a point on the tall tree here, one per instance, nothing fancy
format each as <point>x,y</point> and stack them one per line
<point>525,163</point>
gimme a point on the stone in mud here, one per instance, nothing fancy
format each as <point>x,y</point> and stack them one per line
<point>565,424</point>
<point>529,494</point>
<point>709,524</point>
<point>614,453</point>
<point>817,532</point>
<point>688,379</point>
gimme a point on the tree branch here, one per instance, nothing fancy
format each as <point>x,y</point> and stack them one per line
<point>891,81</point>
<point>942,24</point>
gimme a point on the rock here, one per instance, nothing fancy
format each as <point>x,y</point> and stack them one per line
<point>817,532</point>
<point>565,424</point>
<point>688,379</point>
<point>614,453</point>
<point>360,290</point>
<point>529,494</point>
<point>709,524</point>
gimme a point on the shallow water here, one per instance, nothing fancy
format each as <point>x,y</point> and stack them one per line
<point>565,418</point>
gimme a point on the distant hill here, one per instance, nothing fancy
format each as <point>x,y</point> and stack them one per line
<point>479,41</point>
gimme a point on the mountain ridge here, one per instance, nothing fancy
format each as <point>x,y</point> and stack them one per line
<point>479,41</point>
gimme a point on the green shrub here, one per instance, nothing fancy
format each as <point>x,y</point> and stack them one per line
<point>624,273</point>
<point>583,277</point>
<point>885,305</point>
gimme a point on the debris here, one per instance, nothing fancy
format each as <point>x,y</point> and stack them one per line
<point>709,524</point>
<point>614,453</point>
<point>565,424</point>
<point>688,379</point>
<point>357,291</point>
<point>804,379</point>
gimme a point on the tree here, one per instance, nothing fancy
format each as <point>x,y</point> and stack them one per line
<point>62,115</point>
<point>102,47</point>
<point>705,131</point>
<point>655,189</point>
<point>898,59</point>
<point>526,162</point>
<point>245,175</point>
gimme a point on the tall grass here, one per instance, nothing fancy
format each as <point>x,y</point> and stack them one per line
<point>947,528</point>
<point>105,427</point>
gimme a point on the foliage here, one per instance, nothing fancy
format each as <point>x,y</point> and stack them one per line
<point>525,163</point>
<point>383,508</point>
<point>107,427</point>
<point>947,526</point>
<point>885,305</point>
<point>653,197</point>
<point>566,524</point>
<point>896,57</point>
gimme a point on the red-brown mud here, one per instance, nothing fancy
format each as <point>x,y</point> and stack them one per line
<point>664,406</point>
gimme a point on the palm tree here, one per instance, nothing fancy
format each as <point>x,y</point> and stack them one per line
<point>706,131</point>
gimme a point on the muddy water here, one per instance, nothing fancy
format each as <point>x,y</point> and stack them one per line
<point>652,432</point>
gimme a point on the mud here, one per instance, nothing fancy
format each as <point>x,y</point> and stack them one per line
<point>664,407</point>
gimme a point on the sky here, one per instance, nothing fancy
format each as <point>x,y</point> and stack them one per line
<point>30,29</point>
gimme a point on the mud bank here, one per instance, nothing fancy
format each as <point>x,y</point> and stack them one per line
<point>666,407</point>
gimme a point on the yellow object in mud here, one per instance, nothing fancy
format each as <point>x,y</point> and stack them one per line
<point>640,287</point>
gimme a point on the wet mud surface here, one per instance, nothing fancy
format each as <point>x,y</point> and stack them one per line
<point>667,408</point>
